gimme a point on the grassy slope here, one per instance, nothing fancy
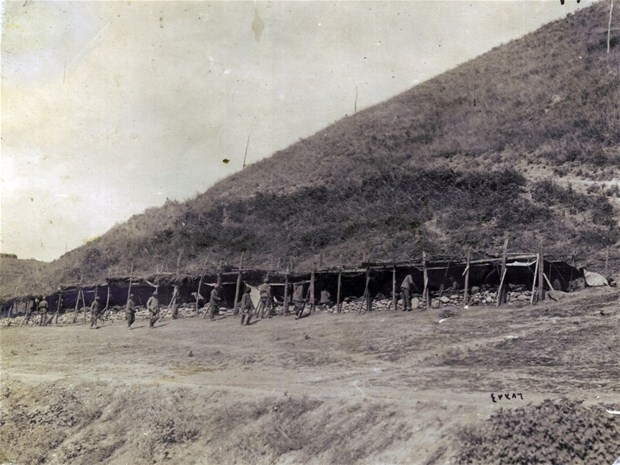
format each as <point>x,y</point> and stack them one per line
<point>17,275</point>
<point>414,173</point>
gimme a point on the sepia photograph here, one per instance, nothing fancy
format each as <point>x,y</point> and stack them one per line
<point>310,232</point>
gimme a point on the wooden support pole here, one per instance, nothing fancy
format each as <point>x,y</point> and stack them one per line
<point>425,294</point>
<point>534,280</point>
<point>204,270</point>
<point>83,305</point>
<point>312,299</point>
<point>238,286</point>
<point>338,292</point>
<point>394,301</point>
<point>541,271</point>
<point>77,305</point>
<point>129,287</point>
<point>107,303</point>
<point>58,307</point>
<point>285,310</point>
<point>466,290</point>
<point>366,297</point>
<point>500,294</point>
<point>501,297</point>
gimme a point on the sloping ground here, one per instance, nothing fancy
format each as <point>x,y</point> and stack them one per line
<point>18,277</point>
<point>380,388</point>
<point>423,170</point>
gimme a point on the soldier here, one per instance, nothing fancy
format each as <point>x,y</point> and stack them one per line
<point>130,311</point>
<point>326,300</point>
<point>266,300</point>
<point>43,311</point>
<point>298,300</point>
<point>405,289</point>
<point>214,301</point>
<point>95,309</point>
<point>247,307</point>
<point>153,307</point>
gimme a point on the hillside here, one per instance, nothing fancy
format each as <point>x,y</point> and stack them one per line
<point>521,142</point>
<point>18,276</point>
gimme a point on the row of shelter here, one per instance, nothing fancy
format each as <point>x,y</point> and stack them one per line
<point>369,281</point>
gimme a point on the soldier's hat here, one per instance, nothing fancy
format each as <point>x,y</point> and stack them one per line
<point>96,297</point>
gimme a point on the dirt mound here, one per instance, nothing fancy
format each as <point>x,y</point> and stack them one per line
<point>552,432</point>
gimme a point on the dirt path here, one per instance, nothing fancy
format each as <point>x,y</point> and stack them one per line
<point>384,387</point>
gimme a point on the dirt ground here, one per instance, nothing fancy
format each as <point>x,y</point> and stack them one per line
<point>517,384</point>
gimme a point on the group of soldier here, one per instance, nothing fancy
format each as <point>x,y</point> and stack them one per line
<point>245,306</point>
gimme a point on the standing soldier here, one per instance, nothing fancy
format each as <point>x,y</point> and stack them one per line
<point>43,311</point>
<point>298,300</point>
<point>247,307</point>
<point>405,289</point>
<point>95,309</point>
<point>214,301</point>
<point>130,311</point>
<point>266,300</point>
<point>153,307</point>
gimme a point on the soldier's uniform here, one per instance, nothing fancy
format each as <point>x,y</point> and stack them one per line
<point>405,289</point>
<point>214,301</point>
<point>247,307</point>
<point>130,311</point>
<point>266,300</point>
<point>298,300</point>
<point>153,307</point>
<point>95,309</point>
<point>43,312</point>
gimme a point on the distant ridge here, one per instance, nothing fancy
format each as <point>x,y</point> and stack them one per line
<point>522,142</point>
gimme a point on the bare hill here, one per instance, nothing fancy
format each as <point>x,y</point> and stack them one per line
<point>18,276</point>
<point>522,142</point>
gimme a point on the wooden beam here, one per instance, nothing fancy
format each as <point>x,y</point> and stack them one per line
<point>534,281</point>
<point>541,281</point>
<point>466,290</point>
<point>238,287</point>
<point>500,289</point>
<point>394,301</point>
<point>338,302</point>
<point>425,293</point>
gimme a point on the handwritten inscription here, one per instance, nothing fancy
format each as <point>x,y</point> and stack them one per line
<point>506,396</point>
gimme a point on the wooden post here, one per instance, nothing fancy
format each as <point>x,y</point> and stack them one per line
<point>83,304</point>
<point>466,290</point>
<point>107,302</point>
<point>338,291</point>
<point>129,287</point>
<point>312,299</point>
<point>204,270</point>
<point>425,294</point>
<point>285,310</point>
<point>77,305</point>
<point>394,301</point>
<point>534,280</point>
<point>58,307</point>
<point>238,287</point>
<point>541,271</point>
<point>500,290</point>
<point>366,297</point>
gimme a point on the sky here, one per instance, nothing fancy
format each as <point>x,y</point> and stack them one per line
<point>110,107</point>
